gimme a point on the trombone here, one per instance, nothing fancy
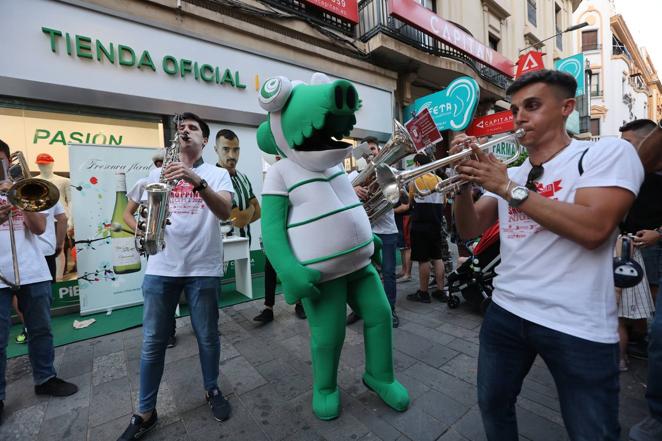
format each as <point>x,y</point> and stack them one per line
<point>27,194</point>
<point>391,180</point>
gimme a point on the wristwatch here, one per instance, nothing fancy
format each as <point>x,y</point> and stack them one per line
<point>518,195</point>
<point>201,186</point>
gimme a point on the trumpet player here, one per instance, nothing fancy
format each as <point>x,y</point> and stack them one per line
<point>192,262</point>
<point>34,294</point>
<point>554,293</point>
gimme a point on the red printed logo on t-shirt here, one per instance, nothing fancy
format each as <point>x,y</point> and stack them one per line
<point>519,225</point>
<point>183,200</point>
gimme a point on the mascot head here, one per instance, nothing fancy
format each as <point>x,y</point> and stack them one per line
<point>306,121</point>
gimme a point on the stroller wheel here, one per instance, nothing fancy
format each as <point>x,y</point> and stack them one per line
<point>453,301</point>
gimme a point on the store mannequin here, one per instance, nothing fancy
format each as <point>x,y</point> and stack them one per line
<point>45,164</point>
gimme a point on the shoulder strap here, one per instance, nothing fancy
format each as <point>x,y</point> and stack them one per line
<point>580,167</point>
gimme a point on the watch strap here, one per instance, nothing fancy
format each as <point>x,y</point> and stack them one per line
<point>201,186</point>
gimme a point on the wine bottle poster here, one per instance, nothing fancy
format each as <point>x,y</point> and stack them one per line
<point>110,271</point>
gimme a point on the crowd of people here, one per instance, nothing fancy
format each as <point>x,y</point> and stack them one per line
<point>559,214</point>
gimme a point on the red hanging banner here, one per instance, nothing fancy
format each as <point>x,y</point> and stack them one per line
<point>347,9</point>
<point>529,62</point>
<point>488,125</point>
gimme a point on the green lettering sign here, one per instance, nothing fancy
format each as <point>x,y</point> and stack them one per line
<point>146,60</point>
<point>126,55</point>
<point>83,46</point>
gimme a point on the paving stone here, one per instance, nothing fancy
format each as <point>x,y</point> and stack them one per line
<point>241,375</point>
<point>170,432</point>
<point>20,394</point>
<point>470,426</point>
<point>462,367</point>
<point>402,361</point>
<point>415,387</point>
<point>353,355</point>
<point>411,344</point>
<point>451,435</point>
<point>70,426</point>
<point>538,428</point>
<point>464,346</point>
<point>23,424</point>
<point>257,351</point>
<point>201,426</point>
<point>418,425</point>
<point>108,344</point>
<point>228,351</point>
<point>110,400</point>
<point>438,355</point>
<point>445,383</point>
<point>467,334</point>
<point>108,367</point>
<point>429,333</point>
<point>78,360</point>
<point>441,406</point>
<point>378,426</point>
<point>62,406</point>
<point>299,346</point>
<point>185,381</point>
<point>186,346</point>
<point>165,404</point>
<point>110,430</point>
<point>287,381</point>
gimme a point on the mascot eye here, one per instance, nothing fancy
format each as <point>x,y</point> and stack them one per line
<point>274,93</point>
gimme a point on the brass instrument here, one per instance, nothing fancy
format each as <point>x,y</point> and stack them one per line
<point>391,180</point>
<point>26,193</point>
<point>150,230</point>
<point>396,148</point>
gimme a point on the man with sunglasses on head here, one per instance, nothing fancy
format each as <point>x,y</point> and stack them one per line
<point>554,294</point>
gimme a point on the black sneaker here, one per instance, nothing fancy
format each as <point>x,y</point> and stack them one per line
<point>440,295</point>
<point>172,341</point>
<point>353,318</point>
<point>138,428</point>
<point>220,407</point>
<point>298,310</point>
<point>419,296</point>
<point>56,387</point>
<point>396,319</point>
<point>266,316</point>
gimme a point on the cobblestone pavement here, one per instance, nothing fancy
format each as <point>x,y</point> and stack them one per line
<point>266,373</point>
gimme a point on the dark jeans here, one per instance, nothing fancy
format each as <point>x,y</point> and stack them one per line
<point>389,246</point>
<point>50,260</point>
<point>654,390</point>
<point>269,283</point>
<point>34,301</point>
<point>585,372</point>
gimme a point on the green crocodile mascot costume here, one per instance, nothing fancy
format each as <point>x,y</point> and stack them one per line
<point>317,234</point>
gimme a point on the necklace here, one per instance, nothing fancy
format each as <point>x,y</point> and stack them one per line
<point>551,157</point>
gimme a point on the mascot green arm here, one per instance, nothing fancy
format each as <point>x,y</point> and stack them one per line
<point>298,281</point>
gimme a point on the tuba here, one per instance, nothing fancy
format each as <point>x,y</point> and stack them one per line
<point>397,147</point>
<point>26,193</point>
<point>149,236</point>
<point>391,180</point>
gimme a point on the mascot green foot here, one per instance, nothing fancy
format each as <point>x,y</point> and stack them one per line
<point>393,394</point>
<point>326,405</point>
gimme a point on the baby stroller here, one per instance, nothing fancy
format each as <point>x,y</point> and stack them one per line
<point>473,279</point>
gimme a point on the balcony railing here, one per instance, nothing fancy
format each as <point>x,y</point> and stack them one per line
<point>374,18</point>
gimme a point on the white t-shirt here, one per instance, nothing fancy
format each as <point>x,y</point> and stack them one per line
<point>193,239</point>
<point>136,192</point>
<point>31,262</point>
<point>551,280</point>
<point>47,239</point>
<point>385,224</point>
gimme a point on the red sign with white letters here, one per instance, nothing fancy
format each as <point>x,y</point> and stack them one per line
<point>427,21</point>
<point>423,130</point>
<point>347,9</point>
<point>529,62</point>
<point>488,125</point>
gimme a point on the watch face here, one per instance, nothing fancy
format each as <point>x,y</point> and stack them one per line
<point>519,193</point>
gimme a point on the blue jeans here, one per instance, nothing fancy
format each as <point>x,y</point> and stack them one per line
<point>34,301</point>
<point>654,390</point>
<point>585,372</point>
<point>389,246</point>
<point>161,295</point>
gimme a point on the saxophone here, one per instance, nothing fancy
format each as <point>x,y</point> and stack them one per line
<point>150,228</point>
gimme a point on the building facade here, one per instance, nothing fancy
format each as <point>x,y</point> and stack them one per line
<point>624,84</point>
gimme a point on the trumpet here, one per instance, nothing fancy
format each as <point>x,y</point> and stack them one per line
<point>26,193</point>
<point>391,180</point>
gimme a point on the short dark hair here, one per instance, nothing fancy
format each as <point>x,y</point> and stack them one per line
<point>203,125</point>
<point>227,134</point>
<point>4,148</point>
<point>422,158</point>
<point>561,80</point>
<point>370,140</point>
<point>640,126</point>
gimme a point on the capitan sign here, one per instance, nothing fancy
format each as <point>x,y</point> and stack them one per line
<point>529,62</point>
<point>573,65</point>
<point>347,9</point>
<point>454,107</point>
<point>493,124</point>
<point>413,13</point>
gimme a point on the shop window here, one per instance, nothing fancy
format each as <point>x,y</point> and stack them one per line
<point>595,126</point>
<point>532,11</point>
<point>590,40</point>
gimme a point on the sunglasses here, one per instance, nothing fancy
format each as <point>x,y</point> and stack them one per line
<point>535,174</point>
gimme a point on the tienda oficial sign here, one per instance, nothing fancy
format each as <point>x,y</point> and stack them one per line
<point>427,21</point>
<point>347,9</point>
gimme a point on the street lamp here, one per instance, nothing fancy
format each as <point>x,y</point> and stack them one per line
<point>569,29</point>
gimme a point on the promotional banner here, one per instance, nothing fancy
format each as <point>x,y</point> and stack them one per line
<point>573,65</point>
<point>423,130</point>
<point>529,62</point>
<point>110,270</point>
<point>451,108</point>
<point>493,124</point>
<point>347,9</point>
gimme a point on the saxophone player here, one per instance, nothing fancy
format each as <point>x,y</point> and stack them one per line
<point>192,262</point>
